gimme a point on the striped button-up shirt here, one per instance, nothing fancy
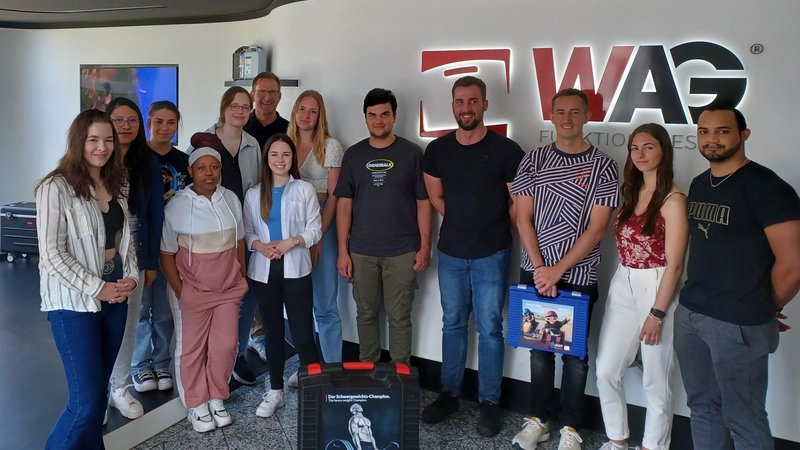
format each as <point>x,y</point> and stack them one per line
<point>71,248</point>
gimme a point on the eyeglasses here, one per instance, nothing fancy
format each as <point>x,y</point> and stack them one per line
<point>271,93</point>
<point>133,122</point>
<point>240,108</point>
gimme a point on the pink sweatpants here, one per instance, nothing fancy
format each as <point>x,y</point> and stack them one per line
<point>205,349</point>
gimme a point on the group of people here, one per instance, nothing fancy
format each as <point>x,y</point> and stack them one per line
<point>264,214</point>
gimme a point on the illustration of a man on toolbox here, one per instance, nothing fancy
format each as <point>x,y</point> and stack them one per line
<point>361,429</point>
<point>551,333</point>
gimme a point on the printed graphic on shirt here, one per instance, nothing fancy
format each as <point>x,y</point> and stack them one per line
<point>379,170</point>
<point>173,181</point>
<point>711,213</point>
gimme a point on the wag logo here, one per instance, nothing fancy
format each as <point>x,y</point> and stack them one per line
<point>633,77</point>
<point>650,82</point>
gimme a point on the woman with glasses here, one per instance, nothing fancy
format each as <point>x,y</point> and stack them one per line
<point>241,156</point>
<point>87,266</point>
<point>281,222</point>
<point>142,189</point>
<point>652,234</point>
<point>150,365</point>
<point>319,159</point>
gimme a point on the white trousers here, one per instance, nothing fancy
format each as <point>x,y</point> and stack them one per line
<point>630,297</point>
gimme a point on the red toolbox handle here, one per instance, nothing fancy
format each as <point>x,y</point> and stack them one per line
<point>314,369</point>
<point>358,366</point>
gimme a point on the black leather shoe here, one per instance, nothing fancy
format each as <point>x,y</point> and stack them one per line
<point>440,408</point>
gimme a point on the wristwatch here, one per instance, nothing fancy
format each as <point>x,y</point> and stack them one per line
<point>295,242</point>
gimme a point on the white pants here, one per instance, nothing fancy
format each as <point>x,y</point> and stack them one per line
<point>122,366</point>
<point>630,297</point>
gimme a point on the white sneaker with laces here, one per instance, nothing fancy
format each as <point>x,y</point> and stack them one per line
<point>532,433</point>
<point>200,418</point>
<point>221,416</point>
<point>273,400</point>
<point>612,446</point>
<point>570,439</point>
<point>128,406</point>
<point>293,381</point>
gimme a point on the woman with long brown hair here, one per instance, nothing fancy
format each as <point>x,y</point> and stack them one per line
<point>86,272</point>
<point>652,235</point>
<point>281,222</point>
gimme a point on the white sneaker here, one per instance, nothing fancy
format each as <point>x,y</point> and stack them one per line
<point>221,416</point>
<point>273,400</point>
<point>258,345</point>
<point>532,433</point>
<point>201,419</point>
<point>570,439</point>
<point>612,446</point>
<point>293,381</point>
<point>121,399</point>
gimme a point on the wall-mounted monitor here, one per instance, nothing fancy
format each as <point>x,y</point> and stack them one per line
<point>142,83</point>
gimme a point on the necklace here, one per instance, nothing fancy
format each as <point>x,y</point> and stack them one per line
<point>711,179</point>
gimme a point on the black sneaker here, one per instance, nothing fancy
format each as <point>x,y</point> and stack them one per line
<point>442,407</point>
<point>242,372</point>
<point>490,419</point>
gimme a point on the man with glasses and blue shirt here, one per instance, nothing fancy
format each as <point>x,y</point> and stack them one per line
<point>468,174</point>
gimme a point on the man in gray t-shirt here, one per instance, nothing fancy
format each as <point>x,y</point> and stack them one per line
<point>383,221</point>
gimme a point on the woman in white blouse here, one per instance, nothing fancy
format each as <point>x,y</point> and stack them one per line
<point>281,222</point>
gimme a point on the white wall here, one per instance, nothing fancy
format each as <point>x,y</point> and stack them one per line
<point>345,47</point>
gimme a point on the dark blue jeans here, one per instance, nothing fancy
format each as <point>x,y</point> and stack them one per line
<point>88,344</point>
<point>573,374</point>
<point>478,285</point>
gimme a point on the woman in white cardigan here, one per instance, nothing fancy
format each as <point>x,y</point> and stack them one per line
<point>281,221</point>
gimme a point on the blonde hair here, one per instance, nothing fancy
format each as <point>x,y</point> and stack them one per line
<point>321,132</point>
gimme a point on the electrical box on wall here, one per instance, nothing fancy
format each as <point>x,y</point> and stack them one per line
<point>248,62</point>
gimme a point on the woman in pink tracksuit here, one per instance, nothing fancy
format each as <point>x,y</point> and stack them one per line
<point>202,257</point>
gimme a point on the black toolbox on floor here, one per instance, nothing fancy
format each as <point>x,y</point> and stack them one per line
<point>375,403</point>
<point>18,230</point>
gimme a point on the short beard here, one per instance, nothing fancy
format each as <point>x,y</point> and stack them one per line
<point>466,127</point>
<point>723,156</point>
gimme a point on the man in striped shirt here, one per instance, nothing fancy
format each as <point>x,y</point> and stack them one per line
<point>565,193</point>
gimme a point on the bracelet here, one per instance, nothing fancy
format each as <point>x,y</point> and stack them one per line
<point>654,317</point>
<point>539,266</point>
<point>657,313</point>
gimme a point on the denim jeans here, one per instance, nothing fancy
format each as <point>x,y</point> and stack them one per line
<point>573,374</point>
<point>465,285</point>
<point>247,312</point>
<point>724,370</point>
<point>154,329</point>
<point>325,278</point>
<point>88,344</point>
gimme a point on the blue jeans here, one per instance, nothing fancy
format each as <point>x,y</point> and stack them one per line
<point>154,329</point>
<point>465,285</point>
<point>88,344</point>
<point>573,373</point>
<point>724,371</point>
<point>325,279</point>
<point>247,312</point>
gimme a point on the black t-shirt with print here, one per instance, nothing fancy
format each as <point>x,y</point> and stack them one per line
<point>730,259</point>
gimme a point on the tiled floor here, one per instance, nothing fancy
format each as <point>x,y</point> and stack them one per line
<point>280,431</point>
